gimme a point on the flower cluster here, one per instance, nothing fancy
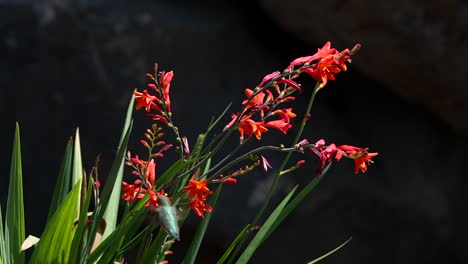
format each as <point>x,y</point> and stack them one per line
<point>160,102</point>
<point>267,106</point>
<point>361,156</point>
<point>197,193</point>
<point>322,66</point>
<point>156,102</point>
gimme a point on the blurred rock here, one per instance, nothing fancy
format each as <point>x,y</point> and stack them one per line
<point>417,48</point>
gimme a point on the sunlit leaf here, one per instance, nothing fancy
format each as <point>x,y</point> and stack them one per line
<point>56,240</point>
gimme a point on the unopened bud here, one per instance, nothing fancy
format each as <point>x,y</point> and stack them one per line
<point>144,143</point>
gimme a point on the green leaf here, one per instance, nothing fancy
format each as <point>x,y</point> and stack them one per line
<point>79,232</point>
<point>329,253</point>
<point>14,221</point>
<point>62,186</point>
<point>56,240</point>
<point>112,210</point>
<point>111,244</point>
<point>169,173</point>
<point>231,247</point>
<point>154,250</point>
<point>298,199</point>
<point>259,237</point>
<point>192,251</point>
<point>107,190</point>
<point>213,124</point>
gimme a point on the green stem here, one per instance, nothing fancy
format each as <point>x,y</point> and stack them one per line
<point>247,155</point>
<point>286,159</point>
<point>277,174</point>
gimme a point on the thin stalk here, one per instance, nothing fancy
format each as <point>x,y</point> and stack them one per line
<point>288,156</point>
<point>277,174</point>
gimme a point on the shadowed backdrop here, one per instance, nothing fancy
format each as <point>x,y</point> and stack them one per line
<point>68,64</point>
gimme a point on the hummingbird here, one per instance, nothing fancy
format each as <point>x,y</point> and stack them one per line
<point>168,217</point>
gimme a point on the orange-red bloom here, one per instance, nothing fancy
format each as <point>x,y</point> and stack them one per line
<point>321,53</point>
<point>361,162</point>
<point>325,70</point>
<point>145,100</point>
<point>248,127</point>
<point>285,114</point>
<point>165,81</point>
<point>197,189</point>
<point>281,124</point>
<point>199,206</point>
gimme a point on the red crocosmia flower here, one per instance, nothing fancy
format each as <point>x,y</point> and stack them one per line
<point>130,191</point>
<point>233,119</point>
<point>361,162</point>
<point>321,53</point>
<point>249,127</point>
<point>197,189</point>
<point>341,58</point>
<point>145,100</point>
<point>199,205</point>
<point>285,114</point>
<point>324,71</point>
<point>329,151</point>
<point>151,173</point>
<point>165,80</point>
<point>280,124</point>
<point>320,143</point>
<point>269,77</point>
<point>351,150</point>
<point>229,180</point>
<point>257,100</point>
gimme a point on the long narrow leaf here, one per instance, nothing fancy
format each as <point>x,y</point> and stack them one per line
<point>298,199</point>
<point>228,251</point>
<point>15,206</point>
<point>79,232</point>
<point>213,124</point>
<point>62,186</point>
<point>259,237</point>
<point>107,190</point>
<point>56,240</point>
<point>112,210</point>
<point>130,219</point>
<point>192,251</point>
<point>329,253</point>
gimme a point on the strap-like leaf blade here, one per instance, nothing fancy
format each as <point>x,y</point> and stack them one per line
<point>62,186</point>
<point>14,222</point>
<point>329,253</point>
<point>56,240</point>
<point>259,237</point>
<point>112,210</point>
<point>194,247</point>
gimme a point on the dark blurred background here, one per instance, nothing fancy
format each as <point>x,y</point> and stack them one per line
<point>70,63</point>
